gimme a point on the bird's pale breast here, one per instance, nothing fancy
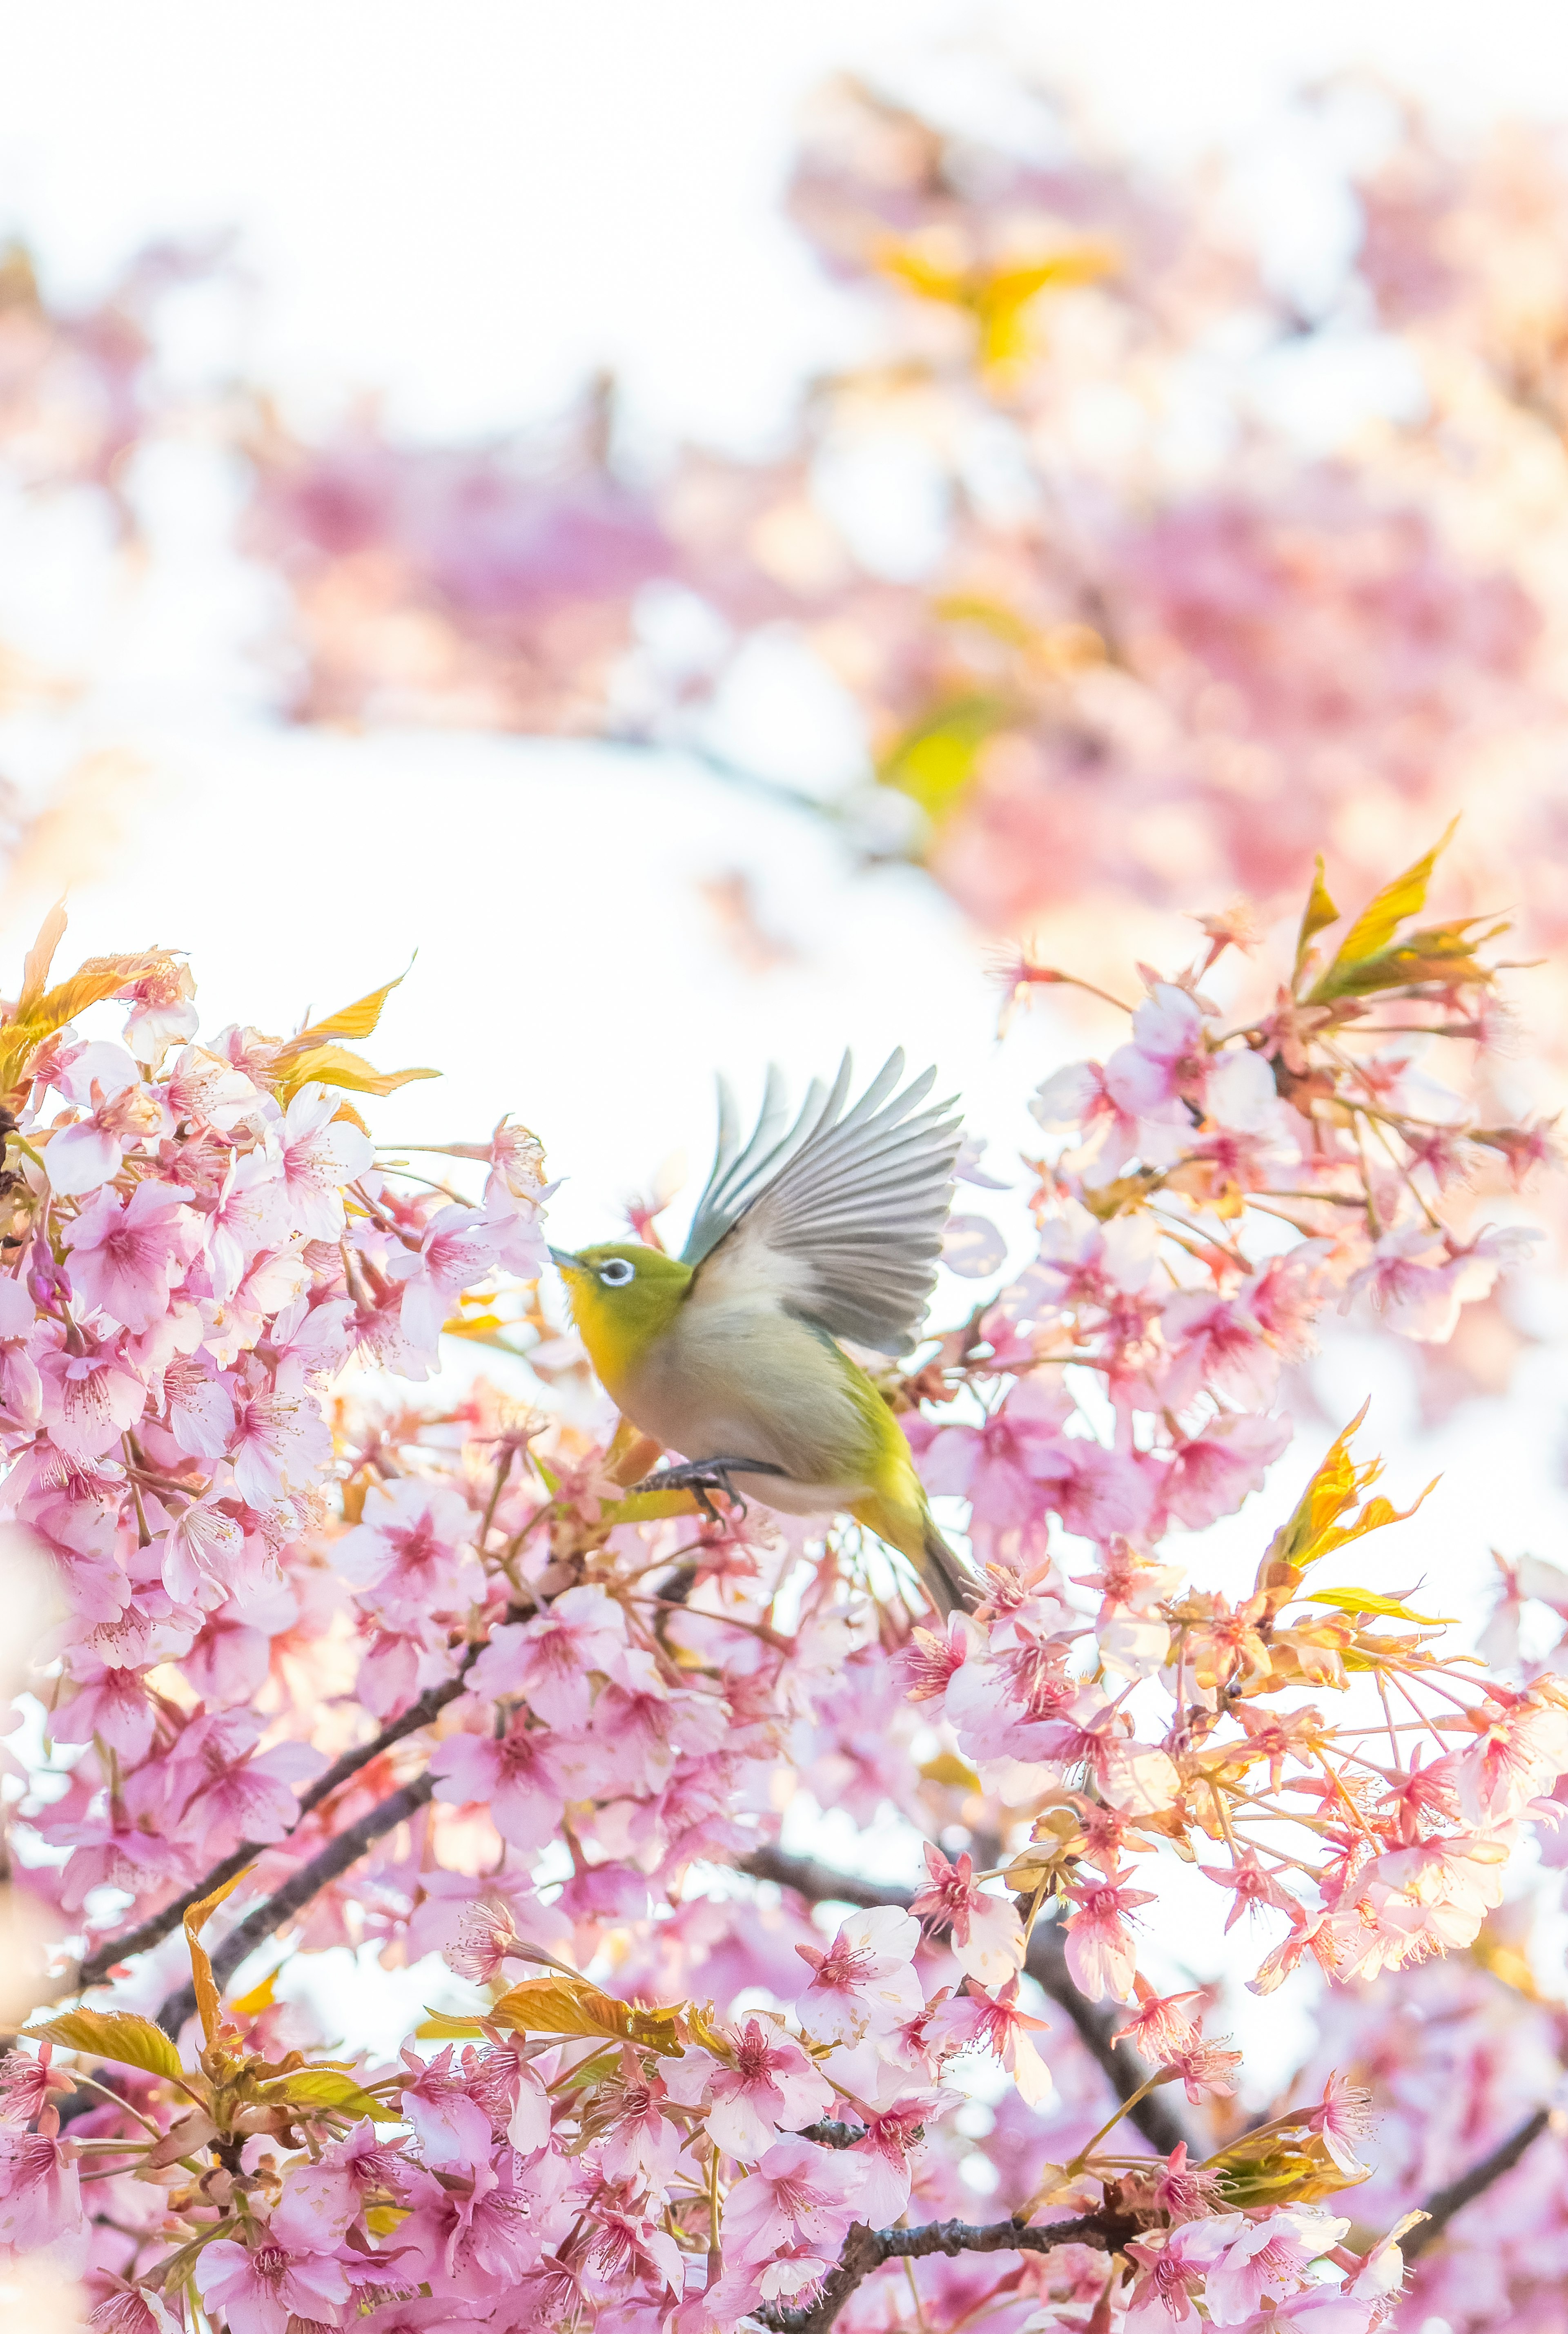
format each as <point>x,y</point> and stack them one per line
<point>748,1380</point>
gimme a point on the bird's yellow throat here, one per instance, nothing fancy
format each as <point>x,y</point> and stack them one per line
<point>618,1325</point>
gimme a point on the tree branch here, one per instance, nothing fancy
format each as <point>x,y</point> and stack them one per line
<point>866,2250</point>
<point>1441,2206</point>
<point>1156,2116</point>
<point>297,1891</point>
<point>158,1925</point>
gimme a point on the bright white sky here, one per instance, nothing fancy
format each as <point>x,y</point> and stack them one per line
<point>466,208</point>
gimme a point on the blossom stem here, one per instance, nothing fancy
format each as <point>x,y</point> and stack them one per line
<point>867,2250</point>
<point>158,1925</point>
<point>296,1892</point>
<point>1161,2122</point>
<point>1445,2203</point>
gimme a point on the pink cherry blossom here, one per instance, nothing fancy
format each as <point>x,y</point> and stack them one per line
<point>799,2194</point>
<point>1265,2260</point>
<point>863,1982</point>
<point>767,2084</point>
<point>321,1154</point>
<point>41,2196</point>
<point>515,1778</point>
<point>1100,1952</point>
<point>987,1934</point>
<point>548,1660</point>
<point>125,1259</point>
<point>259,2288</point>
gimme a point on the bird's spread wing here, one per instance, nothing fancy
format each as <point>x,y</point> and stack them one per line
<point>838,1213</point>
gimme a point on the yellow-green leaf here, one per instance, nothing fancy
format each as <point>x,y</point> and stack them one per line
<point>117,2034</point>
<point>1445,954</point>
<point>649,1508</point>
<point>98,977</point>
<point>552,2005</point>
<point>1385,1608</point>
<point>1382,917</point>
<point>335,1065</point>
<point>1315,1528</point>
<point>1368,959</point>
<point>1319,914</point>
<point>934,761</point>
<point>356,1020</point>
<point>260,1997</point>
<point>330,2086</point>
<point>442,2026</point>
<point>38,959</point>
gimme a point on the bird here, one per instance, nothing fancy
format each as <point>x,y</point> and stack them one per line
<point>816,1231</point>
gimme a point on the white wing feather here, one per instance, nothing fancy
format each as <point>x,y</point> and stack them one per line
<point>838,1216</point>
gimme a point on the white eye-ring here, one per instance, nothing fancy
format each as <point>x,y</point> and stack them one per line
<point>617,1271</point>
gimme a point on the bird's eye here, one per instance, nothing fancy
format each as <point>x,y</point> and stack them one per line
<point>617,1272</point>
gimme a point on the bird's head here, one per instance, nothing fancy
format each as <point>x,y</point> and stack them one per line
<point>622,1297</point>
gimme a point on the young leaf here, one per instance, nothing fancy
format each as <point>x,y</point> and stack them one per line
<point>1387,1608</point>
<point>260,1997</point>
<point>1382,917</point>
<point>934,760</point>
<point>1318,914</point>
<point>38,959</point>
<point>117,2034</point>
<point>335,1065</point>
<point>550,2005</point>
<point>356,1020</point>
<point>330,2087</point>
<point>1367,960</point>
<point>208,2004</point>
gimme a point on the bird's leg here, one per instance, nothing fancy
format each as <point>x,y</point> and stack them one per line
<point>700,1476</point>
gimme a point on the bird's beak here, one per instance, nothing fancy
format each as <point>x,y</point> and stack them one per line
<point>564,1261</point>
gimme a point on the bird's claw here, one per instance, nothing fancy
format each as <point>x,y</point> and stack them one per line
<point>701,1476</point>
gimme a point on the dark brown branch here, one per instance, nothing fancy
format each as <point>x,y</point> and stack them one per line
<point>158,1925</point>
<point>1156,2116</point>
<point>1441,2206</point>
<point>297,1891</point>
<point>866,2250</point>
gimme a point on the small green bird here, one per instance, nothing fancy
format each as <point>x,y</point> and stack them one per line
<point>825,1228</point>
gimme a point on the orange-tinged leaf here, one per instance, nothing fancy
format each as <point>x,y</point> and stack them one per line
<point>443,2026</point>
<point>356,1020</point>
<point>554,2005</point>
<point>98,977</point>
<point>39,958</point>
<point>209,2006</point>
<point>335,1065</point>
<point>260,1997</point>
<point>117,2034</point>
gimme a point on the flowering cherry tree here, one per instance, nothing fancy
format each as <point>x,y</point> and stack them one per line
<point>339,1662</point>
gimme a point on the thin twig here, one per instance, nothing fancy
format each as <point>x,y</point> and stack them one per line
<point>1441,2206</point>
<point>297,1891</point>
<point>1156,2115</point>
<point>158,1925</point>
<point>866,2250</point>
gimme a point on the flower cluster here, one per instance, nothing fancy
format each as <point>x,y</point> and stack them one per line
<point>335,1664</point>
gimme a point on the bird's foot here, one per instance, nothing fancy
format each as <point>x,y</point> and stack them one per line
<point>701,1476</point>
